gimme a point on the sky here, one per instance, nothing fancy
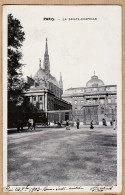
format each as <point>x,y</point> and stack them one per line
<point>76,48</point>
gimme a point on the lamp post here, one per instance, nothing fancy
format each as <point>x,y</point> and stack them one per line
<point>45,106</point>
<point>42,106</point>
<point>59,116</point>
<point>112,114</point>
<point>44,99</point>
<point>107,103</point>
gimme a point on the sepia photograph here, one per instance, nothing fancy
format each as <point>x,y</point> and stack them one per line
<point>62,106</point>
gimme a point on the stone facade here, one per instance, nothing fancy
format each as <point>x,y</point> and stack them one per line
<point>94,102</point>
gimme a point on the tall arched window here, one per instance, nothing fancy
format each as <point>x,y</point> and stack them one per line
<point>102,110</point>
<point>75,101</point>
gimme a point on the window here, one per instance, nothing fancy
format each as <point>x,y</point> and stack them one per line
<point>102,110</point>
<point>88,101</point>
<point>109,100</point>
<point>75,101</point>
<point>110,110</point>
<point>102,101</point>
<point>88,90</point>
<point>95,100</point>
<point>34,98</point>
<point>40,98</point>
<point>81,101</point>
<point>89,111</point>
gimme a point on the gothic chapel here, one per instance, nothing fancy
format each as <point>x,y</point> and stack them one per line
<point>45,90</point>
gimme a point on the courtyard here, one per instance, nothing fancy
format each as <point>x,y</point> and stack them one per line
<point>56,156</point>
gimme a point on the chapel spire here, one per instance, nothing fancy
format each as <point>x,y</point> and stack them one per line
<point>46,50</point>
<point>46,63</point>
<point>61,81</point>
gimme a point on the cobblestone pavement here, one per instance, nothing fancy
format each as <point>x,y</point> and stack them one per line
<point>63,157</point>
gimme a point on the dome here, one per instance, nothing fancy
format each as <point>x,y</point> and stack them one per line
<point>94,82</point>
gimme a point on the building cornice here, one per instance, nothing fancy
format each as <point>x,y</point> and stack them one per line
<point>103,86</point>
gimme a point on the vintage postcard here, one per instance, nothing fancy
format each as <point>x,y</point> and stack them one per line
<point>62,98</point>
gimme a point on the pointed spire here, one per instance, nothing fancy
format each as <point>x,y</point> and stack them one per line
<point>61,81</point>
<point>39,63</point>
<point>46,50</point>
<point>46,63</point>
<point>94,72</point>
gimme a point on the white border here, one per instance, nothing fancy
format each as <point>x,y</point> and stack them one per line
<point>117,188</point>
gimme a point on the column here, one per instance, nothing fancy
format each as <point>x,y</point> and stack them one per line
<point>31,99</point>
<point>98,100</point>
<point>37,99</point>
<point>46,102</point>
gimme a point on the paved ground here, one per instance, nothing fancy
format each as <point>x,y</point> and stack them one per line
<point>63,157</point>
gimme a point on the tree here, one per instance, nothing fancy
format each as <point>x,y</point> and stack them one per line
<point>28,107</point>
<point>15,40</point>
<point>17,103</point>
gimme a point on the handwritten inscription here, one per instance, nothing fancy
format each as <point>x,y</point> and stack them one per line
<point>55,188</point>
<point>41,189</point>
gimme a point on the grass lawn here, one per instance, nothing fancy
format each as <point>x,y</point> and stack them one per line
<point>63,157</point>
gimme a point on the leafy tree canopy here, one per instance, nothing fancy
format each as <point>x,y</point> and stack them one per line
<point>15,33</point>
<point>17,103</point>
<point>15,41</point>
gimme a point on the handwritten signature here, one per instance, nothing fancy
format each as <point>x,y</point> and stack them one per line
<point>100,189</point>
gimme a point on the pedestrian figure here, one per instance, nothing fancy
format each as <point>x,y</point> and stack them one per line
<point>19,125</point>
<point>30,124</point>
<point>34,124</point>
<point>59,124</point>
<point>91,125</point>
<point>111,123</point>
<point>48,122</point>
<point>114,125</point>
<point>67,125</point>
<point>77,123</point>
<point>104,122</point>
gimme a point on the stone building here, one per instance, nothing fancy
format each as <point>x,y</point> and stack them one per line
<point>96,101</point>
<point>45,91</point>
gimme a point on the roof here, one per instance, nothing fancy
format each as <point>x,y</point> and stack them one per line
<point>94,82</point>
<point>41,75</point>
